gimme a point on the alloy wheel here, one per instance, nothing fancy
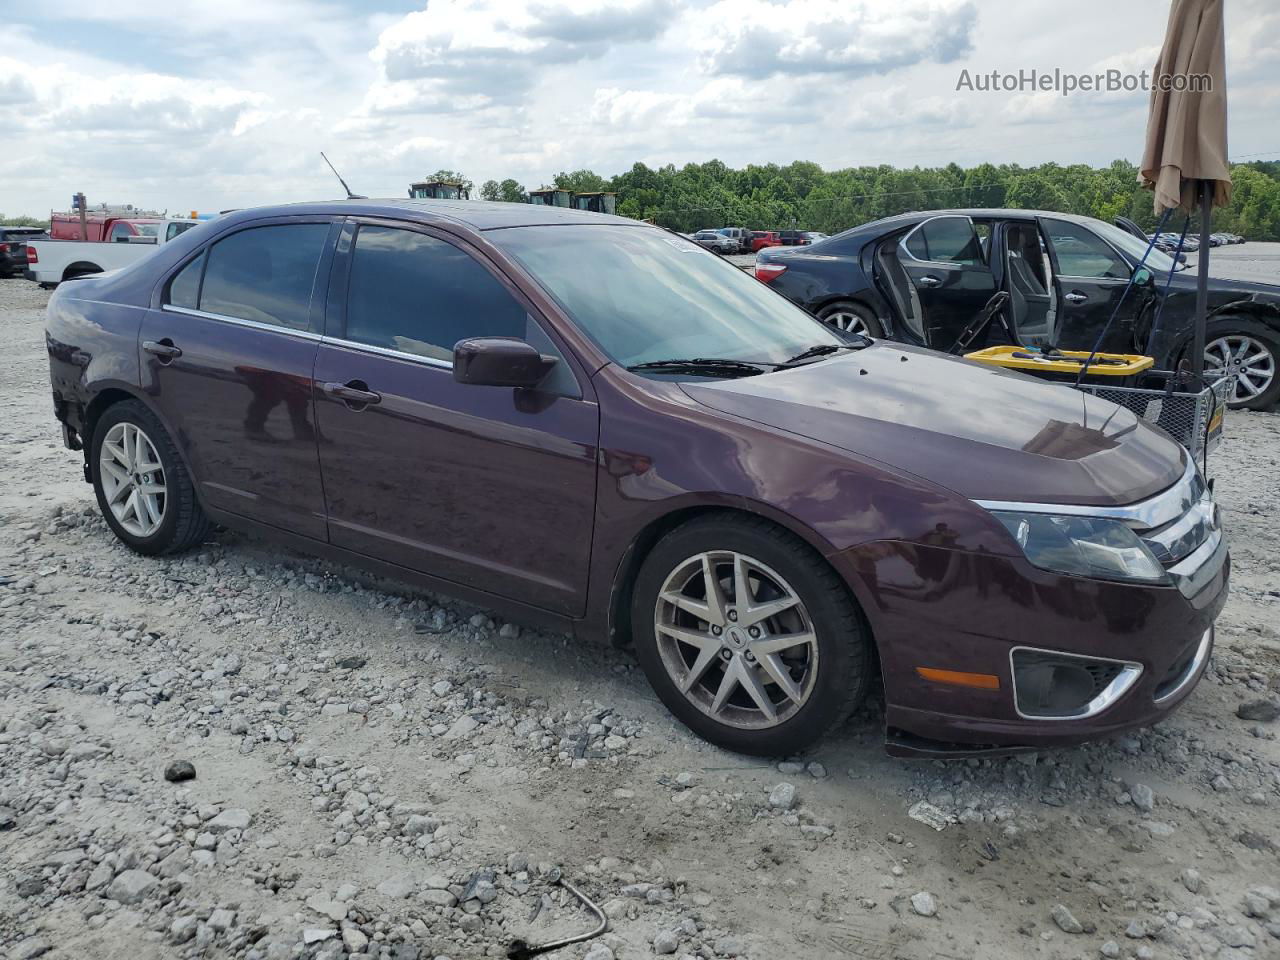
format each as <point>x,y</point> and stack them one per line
<point>1247,361</point>
<point>736,639</point>
<point>132,479</point>
<point>847,321</point>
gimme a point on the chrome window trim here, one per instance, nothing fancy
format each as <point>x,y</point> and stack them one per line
<point>241,322</point>
<point>1193,669</point>
<point>944,264</point>
<point>1111,693</point>
<point>1156,511</point>
<point>387,352</point>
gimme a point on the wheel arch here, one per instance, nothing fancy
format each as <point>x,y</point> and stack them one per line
<point>79,269</point>
<point>617,614</point>
<point>116,393</point>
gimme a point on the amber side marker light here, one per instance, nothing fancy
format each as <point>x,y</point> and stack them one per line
<point>956,678</point>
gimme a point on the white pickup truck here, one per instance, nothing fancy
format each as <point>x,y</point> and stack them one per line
<point>49,262</point>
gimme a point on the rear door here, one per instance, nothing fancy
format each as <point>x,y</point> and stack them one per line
<point>1089,277</point>
<point>945,262</point>
<point>228,360</point>
<point>490,487</point>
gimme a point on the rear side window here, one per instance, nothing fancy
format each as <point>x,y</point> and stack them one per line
<point>416,294</point>
<point>946,240</point>
<point>265,274</point>
<point>184,288</point>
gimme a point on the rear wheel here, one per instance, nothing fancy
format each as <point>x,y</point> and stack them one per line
<point>748,636</point>
<point>849,317</point>
<point>144,490</point>
<point>1248,353</point>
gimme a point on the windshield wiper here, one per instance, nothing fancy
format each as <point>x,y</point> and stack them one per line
<point>715,366</point>
<point>823,350</point>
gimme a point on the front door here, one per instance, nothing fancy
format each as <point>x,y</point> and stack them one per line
<point>227,359</point>
<point>946,264</point>
<point>1089,279</point>
<point>491,487</point>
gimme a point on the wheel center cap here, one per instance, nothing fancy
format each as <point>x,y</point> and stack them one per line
<point>737,639</point>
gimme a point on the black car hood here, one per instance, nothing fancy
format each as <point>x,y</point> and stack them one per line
<point>983,433</point>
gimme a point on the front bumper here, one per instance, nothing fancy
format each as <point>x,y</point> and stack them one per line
<point>947,609</point>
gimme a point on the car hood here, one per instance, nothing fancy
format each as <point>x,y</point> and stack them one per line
<point>1226,291</point>
<point>983,433</point>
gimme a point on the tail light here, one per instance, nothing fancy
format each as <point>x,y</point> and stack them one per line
<point>768,272</point>
<point>4,248</point>
<point>32,256</point>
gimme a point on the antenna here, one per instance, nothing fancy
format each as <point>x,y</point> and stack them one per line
<point>350,195</point>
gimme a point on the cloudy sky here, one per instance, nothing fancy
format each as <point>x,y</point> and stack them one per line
<point>207,104</point>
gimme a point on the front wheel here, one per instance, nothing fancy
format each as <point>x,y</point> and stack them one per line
<point>848,317</point>
<point>1248,353</point>
<point>748,636</point>
<point>143,488</point>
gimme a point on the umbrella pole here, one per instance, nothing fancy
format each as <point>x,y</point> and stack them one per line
<point>1202,282</point>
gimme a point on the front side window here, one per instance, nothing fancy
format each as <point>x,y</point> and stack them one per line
<point>946,240</point>
<point>644,294</point>
<point>265,274</point>
<point>416,294</point>
<point>1082,253</point>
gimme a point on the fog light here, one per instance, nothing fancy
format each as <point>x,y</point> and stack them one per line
<point>1063,686</point>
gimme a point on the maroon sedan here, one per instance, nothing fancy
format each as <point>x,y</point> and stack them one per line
<point>593,423</point>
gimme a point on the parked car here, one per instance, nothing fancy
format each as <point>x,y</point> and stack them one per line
<point>764,238</point>
<point>739,235</point>
<point>715,241</point>
<point>13,248</point>
<point>50,261</point>
<point>593,424</point>
<point>922,277</point>
<point>793,238</point>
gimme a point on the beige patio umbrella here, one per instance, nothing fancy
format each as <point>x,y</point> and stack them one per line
<point>1185,158</point>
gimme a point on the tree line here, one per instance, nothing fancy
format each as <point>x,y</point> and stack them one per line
<point>803,196</point>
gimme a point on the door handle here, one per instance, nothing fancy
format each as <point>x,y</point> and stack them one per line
<point>164,349</point>
<point>929,281</point>
<point>1075,298</point>
<point>352,393</point>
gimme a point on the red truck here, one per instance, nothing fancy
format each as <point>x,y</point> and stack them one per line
<point>102,227</point>
<point>764,238</point>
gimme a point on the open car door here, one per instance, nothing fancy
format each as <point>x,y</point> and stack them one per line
<point>947,267</point>
<point>1089,279</point>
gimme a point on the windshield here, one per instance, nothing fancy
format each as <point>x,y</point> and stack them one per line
<point>643,294</point>
<point>147,229</point>
<point>1157,261</point>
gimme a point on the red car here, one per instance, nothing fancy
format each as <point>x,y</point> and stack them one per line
<point>764,238</point>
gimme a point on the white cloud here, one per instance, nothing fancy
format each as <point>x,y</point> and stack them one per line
<point>759,38</point>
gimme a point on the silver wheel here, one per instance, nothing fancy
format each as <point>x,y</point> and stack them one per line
<point>1248,361</point>
<point>847,321</point>
<point>736,639</point>
<point>132,479</point>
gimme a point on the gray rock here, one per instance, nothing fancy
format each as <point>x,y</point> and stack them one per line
<point>233,819</point>
<point>438,898</point>
<point>179,771</point>
<point>924,903</point>
<point>31,948</point>
<point>1262,710</point>
<point>599,951</point>
<point>666,941</point>
<point>729,946</point>
<point>1143,797</point>
<point>1136,930</point>
<point>1066,922</point>
<point>782,797</point>
<point>100,877</point>
<point>397,887</point>
<point>29,886</point>
<point>183,929</point>
<point>353,939</point>
<point>1110,949</point>
<point>131,887</point>
<point>8,819</point>
<point>1191,879</point>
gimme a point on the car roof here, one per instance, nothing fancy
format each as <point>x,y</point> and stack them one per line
<point>888,224</point>
<point>476,214</point>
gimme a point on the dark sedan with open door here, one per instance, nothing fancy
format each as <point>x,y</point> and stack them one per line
<point>923,277</point>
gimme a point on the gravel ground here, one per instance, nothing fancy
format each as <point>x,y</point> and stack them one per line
<point>384,773</point>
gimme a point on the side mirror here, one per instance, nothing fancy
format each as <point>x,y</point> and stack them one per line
<point>1142,277</point>
<point>499,362</point>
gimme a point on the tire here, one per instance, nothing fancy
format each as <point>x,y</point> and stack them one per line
<point>1259,369</point>
<point>847,316</point>
<point>182,524</point>
<point>828,674</point>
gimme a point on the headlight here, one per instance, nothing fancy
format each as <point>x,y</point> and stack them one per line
<point>1083,546</point>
